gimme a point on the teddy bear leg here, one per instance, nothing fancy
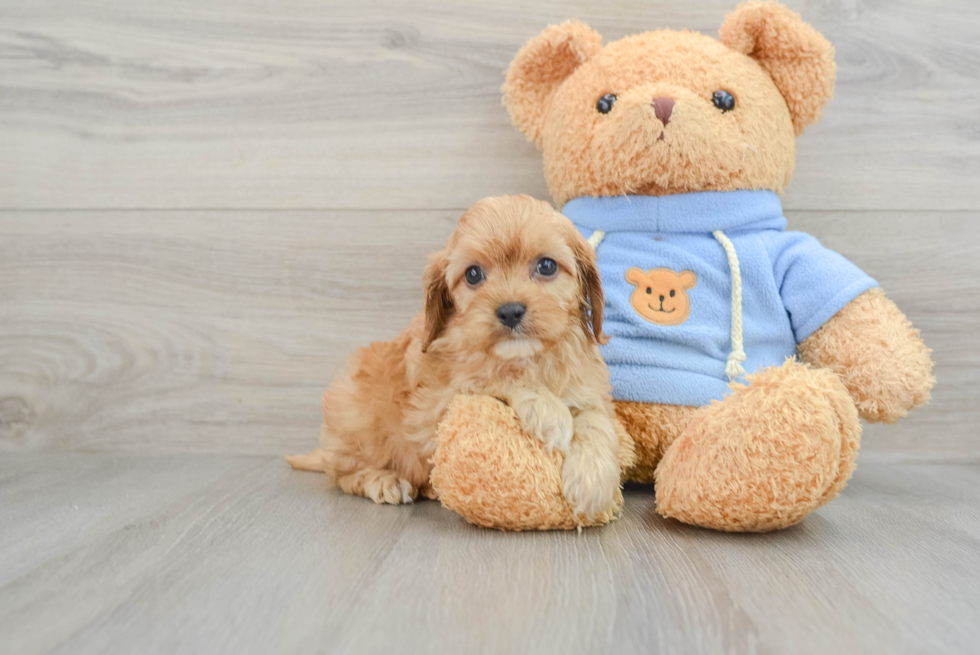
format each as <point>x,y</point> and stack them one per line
<point>766,456</point>
<point>494,475</point>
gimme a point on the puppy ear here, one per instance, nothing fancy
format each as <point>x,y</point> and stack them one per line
<point>797,57</point>
<point>593,300</point>
<point>540,67</point>
<point>688,279</point>
<point>438,301</point>
<point>634,276</point>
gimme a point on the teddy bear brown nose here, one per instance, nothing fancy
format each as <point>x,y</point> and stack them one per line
<point>662,108</point>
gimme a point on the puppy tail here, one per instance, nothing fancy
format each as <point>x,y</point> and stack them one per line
<point>315,461</point>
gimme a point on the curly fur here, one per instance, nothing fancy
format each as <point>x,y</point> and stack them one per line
<point>768,455</point>
<point>786,443</point>
<point>516,484</point>
<point>765,457</point>
<point>381,413</point>
<point>653,429</point>
<point>878,355</point>
<point>780,71</point>
<point>799,59</point>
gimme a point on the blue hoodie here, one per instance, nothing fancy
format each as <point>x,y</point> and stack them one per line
<point>790,285</point>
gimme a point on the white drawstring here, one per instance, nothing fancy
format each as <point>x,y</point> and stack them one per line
<point>734,367</point>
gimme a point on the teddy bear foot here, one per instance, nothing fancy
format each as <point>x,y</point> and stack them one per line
<point>766,456</point>
<point>494,475</point>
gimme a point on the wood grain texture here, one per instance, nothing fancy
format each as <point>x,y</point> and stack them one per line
<point>387,104</point>
<point>168,332</point>
<point>205,206</point>
<point>194,554</point>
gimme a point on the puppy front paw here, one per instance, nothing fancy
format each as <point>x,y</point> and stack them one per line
<point>589,483</point>
<point>387,488</point>
<point>545,417</point>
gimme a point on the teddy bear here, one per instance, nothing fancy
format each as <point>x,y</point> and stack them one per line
<point>741,354</point>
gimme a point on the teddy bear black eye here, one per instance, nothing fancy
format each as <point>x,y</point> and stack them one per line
<point>649,290</point>
<point>723,100</point>
<point>474,275</point>
<point>671,293</point>
<point>605,103</point>
<point>547,267</point>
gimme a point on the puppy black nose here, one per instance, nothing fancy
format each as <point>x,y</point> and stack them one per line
<point>511,314</point>
<point>661,298</point>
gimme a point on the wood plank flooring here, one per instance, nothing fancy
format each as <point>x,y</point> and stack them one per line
<point>162,332</point>
<point>198,553</point>
<point>206,206</point>
<point>389,104</point>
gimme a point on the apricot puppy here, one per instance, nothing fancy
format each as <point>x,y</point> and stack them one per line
<point>513,310</point>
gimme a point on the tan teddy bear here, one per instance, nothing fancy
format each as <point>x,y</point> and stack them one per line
<point>667,150</point>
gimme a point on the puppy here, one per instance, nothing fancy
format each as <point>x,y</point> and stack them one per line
<point>513,309</point>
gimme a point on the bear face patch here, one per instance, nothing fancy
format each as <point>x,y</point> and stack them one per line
<point>660,295</point>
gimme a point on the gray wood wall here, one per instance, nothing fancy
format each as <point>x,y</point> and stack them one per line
<point>205,206</point>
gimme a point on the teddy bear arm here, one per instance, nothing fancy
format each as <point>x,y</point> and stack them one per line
<point>495,475</point>
<point>878,355</point>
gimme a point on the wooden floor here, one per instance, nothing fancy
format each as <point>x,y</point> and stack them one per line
<point>199,553</point>
<point>205,206</point>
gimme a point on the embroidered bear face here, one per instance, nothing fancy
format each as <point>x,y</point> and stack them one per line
<point>669,112</point>
<point>660,295</point>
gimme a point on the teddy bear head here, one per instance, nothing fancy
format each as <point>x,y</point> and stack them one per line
<point>660,295</point>
<point>671,112</point>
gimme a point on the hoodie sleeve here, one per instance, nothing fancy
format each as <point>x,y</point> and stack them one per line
<point>814,283</point>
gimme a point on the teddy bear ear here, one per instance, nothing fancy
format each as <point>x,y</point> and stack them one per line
<point>634,275</point>
<point>540,66</point>
<point>797,57</point>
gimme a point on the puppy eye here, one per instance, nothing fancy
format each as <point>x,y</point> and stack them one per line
<point>723,100</point>
<point>671,293</point>
<point>649,290</point>
<point>474,275</point>
<point>547,267</point>
<point>605,103</point>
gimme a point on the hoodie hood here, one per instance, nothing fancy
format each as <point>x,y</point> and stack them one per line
<point>691,213</point>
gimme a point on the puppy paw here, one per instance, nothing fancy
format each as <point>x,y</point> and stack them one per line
<point>589,484</point>
<point>386,488</point>
<point>545,417</point>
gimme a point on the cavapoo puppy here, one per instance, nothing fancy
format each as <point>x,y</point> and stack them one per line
<point>513,309</point>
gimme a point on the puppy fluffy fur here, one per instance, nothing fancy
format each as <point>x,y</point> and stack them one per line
<point>381,414</point>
